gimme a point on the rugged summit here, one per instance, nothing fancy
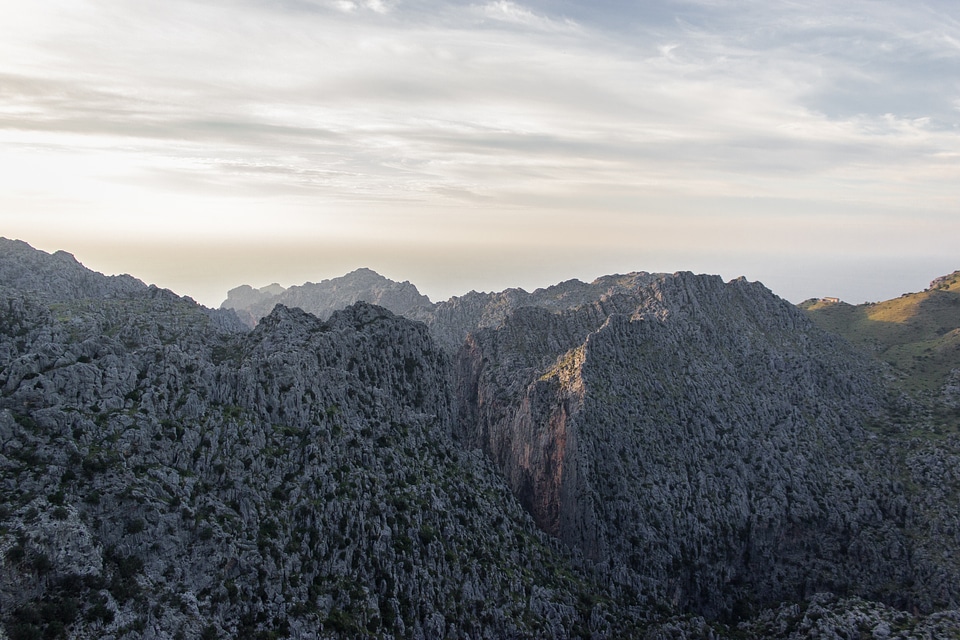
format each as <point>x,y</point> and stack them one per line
<point>704,438</point>
<point>57,277</point>
<point>647,455</point>
<point>323,298</point>
<point>453,320</point>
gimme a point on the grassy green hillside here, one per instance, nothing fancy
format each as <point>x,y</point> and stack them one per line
<point>917,333</point>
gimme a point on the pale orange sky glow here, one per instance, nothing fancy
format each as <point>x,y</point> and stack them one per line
<point>462,146</point>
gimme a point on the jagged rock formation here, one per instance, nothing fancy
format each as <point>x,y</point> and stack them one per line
<point>450,321</point>
<point>702,437</point>
<point>167,472</point>
<point>57,277</point>
<point>323,298</point>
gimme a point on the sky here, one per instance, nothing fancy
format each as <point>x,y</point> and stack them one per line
<point>200,145</point>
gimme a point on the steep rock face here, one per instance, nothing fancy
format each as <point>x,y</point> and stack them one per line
<point>323,298</point>
<point>511,409</point>
<point>708,443</point>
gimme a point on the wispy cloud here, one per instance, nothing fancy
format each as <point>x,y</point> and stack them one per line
<point>512,13</point>
<point>330,113</point>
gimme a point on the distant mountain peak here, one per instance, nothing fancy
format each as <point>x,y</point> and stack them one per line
<point>324,297</point>
<point>364,271</point>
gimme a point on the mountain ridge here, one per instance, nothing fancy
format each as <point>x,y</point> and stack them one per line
<point>360,285</point>
<point>648,455</point>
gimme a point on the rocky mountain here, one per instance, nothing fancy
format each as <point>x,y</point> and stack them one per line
<point>703,439</point>
<point>323,298</point>
<point>649,455</point>
<point>450,321</point>
<point>167,474</point>
<point>57,277</point>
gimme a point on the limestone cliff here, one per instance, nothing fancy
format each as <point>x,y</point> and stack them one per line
<point>654,456</point>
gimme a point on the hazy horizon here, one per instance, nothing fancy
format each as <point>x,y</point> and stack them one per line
<point>814,147</point>
<point>855,285</point>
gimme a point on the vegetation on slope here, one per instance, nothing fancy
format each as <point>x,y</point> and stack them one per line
<point>918,334</point>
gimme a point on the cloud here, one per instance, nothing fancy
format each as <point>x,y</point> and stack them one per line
<point>396,114</point>
<point>515,14</point>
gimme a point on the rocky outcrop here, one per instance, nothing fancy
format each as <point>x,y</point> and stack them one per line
<point>57,277</point>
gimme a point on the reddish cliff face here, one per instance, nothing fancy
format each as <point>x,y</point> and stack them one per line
<point>540,457</point>
<point>529,427</point>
